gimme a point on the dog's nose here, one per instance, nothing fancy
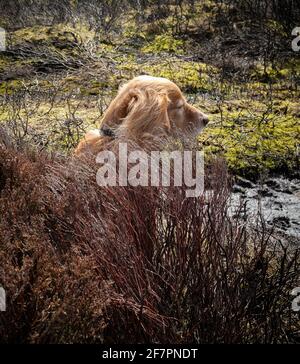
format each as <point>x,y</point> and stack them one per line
<point>205,120</point>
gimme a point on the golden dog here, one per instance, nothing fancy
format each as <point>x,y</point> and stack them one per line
<point>145,107</point>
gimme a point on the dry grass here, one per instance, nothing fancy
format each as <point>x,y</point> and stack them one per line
<point>82,263</point>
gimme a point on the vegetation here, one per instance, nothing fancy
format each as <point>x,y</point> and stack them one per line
<point>172,270</point>
<point>251,95</point>
<point>74,271</point>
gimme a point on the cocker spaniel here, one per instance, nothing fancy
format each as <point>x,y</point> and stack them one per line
<point>145,107</point>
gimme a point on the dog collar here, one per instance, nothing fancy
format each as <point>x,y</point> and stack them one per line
<point>106,131</point>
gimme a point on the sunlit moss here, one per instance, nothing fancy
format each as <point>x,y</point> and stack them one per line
<point>4,63</point>
<point>164,43</point>
<point>191,76</point>
<point>9,87</point>
<point>253,146</point>
<point>56,32</point>
<point>268,73</point>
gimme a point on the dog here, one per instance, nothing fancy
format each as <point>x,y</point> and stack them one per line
<point>146,107</point>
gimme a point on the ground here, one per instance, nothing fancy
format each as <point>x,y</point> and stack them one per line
<point>82,263</point>
<point>69,73</point>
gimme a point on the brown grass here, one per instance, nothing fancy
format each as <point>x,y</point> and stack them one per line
<point>87,264</point>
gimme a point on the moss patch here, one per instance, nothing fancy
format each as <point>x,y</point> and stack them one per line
<point>252,147</point>
<point>164,43</point>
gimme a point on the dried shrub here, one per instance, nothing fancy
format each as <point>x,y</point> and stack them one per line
<point>82,263</point>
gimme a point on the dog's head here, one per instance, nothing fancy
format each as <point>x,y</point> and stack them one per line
<point>151,106</point>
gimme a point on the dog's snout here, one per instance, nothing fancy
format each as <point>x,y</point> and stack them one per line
<point>205,120</point>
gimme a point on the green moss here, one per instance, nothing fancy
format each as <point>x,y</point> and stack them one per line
<point>276,27</point>
<point>106,48</point>
<point>190,76</point>
<point>4,63</point>
<point>9,87</point>
<point>265,74</point>
<point>275,74</point>
<point>164,43</point>
<point>251,148</point>
<point>133,36</point>
<point>51,34</point>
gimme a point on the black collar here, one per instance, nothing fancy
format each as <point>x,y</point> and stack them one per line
<point>106,131</point>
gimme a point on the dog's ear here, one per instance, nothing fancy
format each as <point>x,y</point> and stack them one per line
<point>147,112</point>
<point>138,111</point>
<point>117,110</point>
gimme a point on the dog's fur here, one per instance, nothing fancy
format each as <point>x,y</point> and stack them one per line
<point>145,107</point>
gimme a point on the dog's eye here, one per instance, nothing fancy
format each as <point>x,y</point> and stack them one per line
<point>179,107</point>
